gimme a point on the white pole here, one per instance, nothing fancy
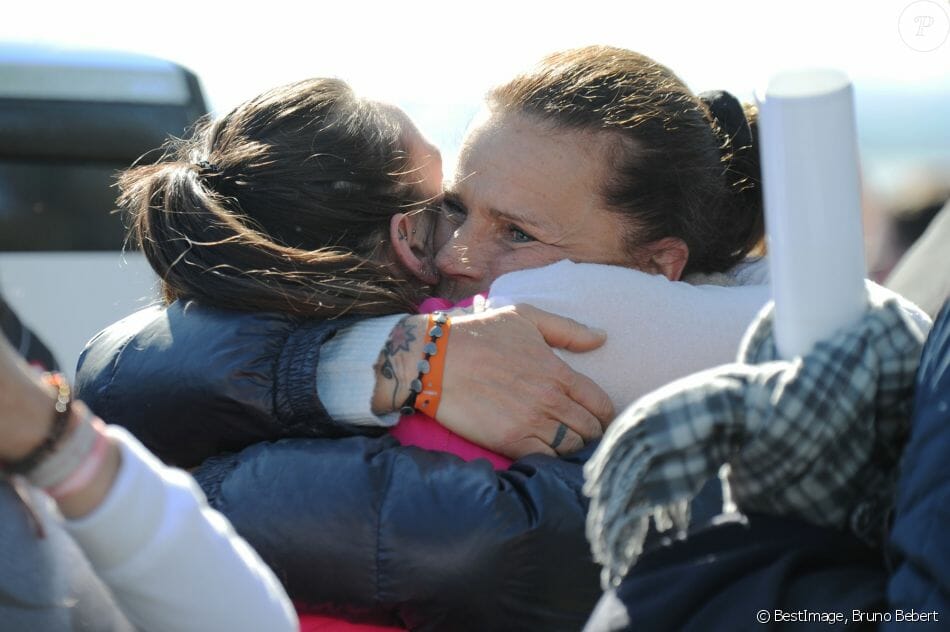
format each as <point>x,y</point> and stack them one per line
<point>812,194</point>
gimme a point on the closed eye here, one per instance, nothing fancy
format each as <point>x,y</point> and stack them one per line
<point>453,210</point>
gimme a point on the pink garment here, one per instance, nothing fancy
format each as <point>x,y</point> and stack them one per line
<point>425,432</point>
<point>323,623</point>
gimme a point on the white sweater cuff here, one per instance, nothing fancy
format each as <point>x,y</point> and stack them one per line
<point>122,524</point>
<point>346,374</point>
<point>172,562</point>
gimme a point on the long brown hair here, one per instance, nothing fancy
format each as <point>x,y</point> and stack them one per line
<point>281,205</point>
<point>676,170</point>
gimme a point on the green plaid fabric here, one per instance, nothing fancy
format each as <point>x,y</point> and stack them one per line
<point>817,438</point>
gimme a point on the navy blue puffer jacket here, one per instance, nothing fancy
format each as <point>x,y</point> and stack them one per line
<point>351,524</point>
<point>919,543</point>
<point>192,382</point>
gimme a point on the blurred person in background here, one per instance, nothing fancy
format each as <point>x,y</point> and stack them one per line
<point>97,534</point>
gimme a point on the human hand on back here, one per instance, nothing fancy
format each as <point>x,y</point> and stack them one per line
<point>503,386</point>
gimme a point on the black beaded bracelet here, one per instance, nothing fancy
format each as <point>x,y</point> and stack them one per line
<point>430,349</point>
<point>62,409</point>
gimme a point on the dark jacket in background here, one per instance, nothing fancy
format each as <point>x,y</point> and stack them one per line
<point>919,546</point>
<point>728,574</point>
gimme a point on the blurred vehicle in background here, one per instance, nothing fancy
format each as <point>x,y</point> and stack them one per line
<point>69,120</point>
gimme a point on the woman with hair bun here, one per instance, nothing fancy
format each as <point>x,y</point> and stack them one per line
<point>622,160</point>
<point>599,156</point>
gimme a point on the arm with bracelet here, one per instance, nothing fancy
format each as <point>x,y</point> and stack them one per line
<point>169,561</point>
<point>418,425</point>
<point>498,367</point>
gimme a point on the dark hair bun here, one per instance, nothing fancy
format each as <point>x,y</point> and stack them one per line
<point>738,129</point>
<point>727,111</point>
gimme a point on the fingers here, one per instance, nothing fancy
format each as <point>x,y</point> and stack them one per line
<point>566,441</point>
<point>505,389</point>
<point>578,420</point>
<point>592,398</point>
<point>558,440</point>
<point>526,446</point>
<point>561,332</point>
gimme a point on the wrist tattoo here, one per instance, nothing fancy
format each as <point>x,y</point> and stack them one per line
<point>400,339</point>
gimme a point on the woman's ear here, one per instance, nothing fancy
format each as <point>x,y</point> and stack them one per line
<point>668,256</point>
<point>409,244</point>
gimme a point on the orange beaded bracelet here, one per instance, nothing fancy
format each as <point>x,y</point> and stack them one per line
<point>426,390</point>
<point>431,396</point>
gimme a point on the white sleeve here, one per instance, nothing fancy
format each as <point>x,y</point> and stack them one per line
<point>657,330</point>
<point>923,273</point>
<point>171,561</point>
<point>346,374</point>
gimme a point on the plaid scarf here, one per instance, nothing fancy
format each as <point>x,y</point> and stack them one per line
<point>817,438</point>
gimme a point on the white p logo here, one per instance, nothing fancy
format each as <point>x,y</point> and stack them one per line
<point>923,22</point>
<point>924,25</point>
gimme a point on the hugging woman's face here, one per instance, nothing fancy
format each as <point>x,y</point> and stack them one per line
<point>525,195</point>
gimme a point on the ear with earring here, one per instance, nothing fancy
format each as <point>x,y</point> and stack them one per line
<point>412,254</point>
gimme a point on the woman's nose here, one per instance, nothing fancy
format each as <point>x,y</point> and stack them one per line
<point>458,259</point>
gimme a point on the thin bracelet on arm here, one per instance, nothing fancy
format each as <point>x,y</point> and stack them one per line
<point>61,417</point>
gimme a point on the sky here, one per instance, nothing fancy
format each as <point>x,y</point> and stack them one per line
<point>450,52</point>
<point>436,59</point>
